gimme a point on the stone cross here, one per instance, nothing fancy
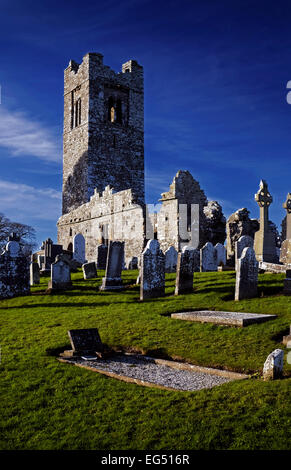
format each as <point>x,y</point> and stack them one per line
<point>185,271</point>
<point>115,261</point>
<point>264,200</point>
<point>246,285</point>
<point>152,271</point>
<point>287,206</point>
<point>285,253</point>
<point>265,240</point>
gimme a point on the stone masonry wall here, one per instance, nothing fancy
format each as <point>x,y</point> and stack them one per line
<point>110,216</point>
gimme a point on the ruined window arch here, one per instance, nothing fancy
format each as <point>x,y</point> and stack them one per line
<point>70,247</point>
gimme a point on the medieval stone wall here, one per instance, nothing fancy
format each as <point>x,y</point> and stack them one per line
<point>110,216</point>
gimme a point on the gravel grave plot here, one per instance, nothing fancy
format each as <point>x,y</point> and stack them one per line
<point>223,318</point>
<point>148,371</point>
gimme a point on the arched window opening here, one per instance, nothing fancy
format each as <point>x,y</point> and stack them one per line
<point>111,110</point>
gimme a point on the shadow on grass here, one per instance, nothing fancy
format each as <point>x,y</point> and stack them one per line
<point>67,304</point>
<point>278,337</point>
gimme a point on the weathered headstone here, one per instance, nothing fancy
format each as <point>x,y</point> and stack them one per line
<point>185,271</point>
<point>208,258</point>
<point>265,239</point>
<point>14,271</point>
<point>220,252</point>
<point>247,275</point>
<point>34,274</point>
<point>243,242</point>
<point>60,274</point>
<point>89,270</point>
<point>79,248</point>
<point>287,339</point>
<point>102,251</point>
<point>86,341</point>
<point>115,259</point>
<point>285,255</point>
<point>287,283</point>
<point>152,272</point>
<point>273,367</point>
<point>50,251</point>
<point>133,263</point>
<point>171,256</point>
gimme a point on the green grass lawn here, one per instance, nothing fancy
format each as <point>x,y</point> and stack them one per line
<point>49,405</point>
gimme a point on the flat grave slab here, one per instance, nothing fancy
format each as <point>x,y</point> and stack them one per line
<point>223,318</point>
<point>160,373</point>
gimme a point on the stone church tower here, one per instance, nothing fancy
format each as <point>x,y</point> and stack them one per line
<point>103,130</point>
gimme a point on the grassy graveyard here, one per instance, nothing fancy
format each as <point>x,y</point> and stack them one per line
<point>49,405</point>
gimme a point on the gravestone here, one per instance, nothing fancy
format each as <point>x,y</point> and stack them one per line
<point>287,283</point>
<point>152,271</point>
<point>220,252</point>
<point>265,239</point>
<point>273,367</point>
<point>102,251</point>
<point>243,242</point>
<point>89,270</point>
<point>185,271</point>
<point>40,261</point>
<point>86,342</point>
<point>285,254</point>
<point>79,248</point>
<point>14,270</point>
<point>133,263</point>
<point>115,259</point>
<point>34,274</point>
<point>50,251</point>
<point>60,274</point>
<point>171,256</point>
<point>223,318</point>
<point>287,339</point>
<point>208,258</point>
<point>247,275</point>
<point>196,261</point>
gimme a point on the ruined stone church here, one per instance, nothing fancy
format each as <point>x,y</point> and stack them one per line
<point>103,168</point>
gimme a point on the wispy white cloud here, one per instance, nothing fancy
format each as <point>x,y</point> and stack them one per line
<point>27,204</point>
<point>24,136</point>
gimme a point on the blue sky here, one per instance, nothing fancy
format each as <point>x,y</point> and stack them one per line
<point>215,96</point>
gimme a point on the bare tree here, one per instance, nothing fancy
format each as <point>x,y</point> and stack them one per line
<point>25,232</point>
